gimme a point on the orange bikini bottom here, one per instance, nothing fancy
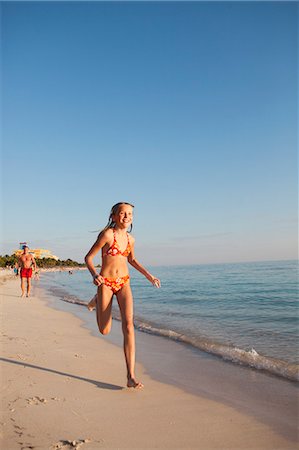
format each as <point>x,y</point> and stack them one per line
<point>115,284</point>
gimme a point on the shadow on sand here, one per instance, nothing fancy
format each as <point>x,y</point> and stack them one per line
<point>98,384</point>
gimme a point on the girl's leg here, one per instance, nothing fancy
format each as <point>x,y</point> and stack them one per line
<point>125,302</point>
<point>104,307</point>
<point>93,303</point>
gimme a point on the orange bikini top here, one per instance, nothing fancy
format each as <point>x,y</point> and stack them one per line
<point>114,250</point>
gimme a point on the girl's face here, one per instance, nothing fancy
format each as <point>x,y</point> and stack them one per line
<point>124,216</point>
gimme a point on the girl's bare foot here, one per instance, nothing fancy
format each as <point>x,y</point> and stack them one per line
<point>92,304</point>
<point>132,383</point>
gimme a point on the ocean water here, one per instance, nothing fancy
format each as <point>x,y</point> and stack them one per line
<point>246,313</point>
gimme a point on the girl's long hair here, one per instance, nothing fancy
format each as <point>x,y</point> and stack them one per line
<point>114,210</point>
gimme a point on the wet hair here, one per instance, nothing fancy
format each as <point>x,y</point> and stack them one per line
<point>114,210</point>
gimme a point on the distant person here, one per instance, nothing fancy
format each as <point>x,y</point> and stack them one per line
<point>26,261</point>
<point>16,270</point>
<point>117,248</point>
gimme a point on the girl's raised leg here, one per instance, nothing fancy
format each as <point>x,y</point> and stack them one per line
<point>93,303</point>
<point>125,302</point>
<point>104,308</point>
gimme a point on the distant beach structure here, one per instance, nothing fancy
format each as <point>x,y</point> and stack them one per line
<point>38,253</point>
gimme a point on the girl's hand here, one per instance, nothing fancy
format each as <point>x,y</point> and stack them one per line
<point>98,280</point>
<point>155,282</point>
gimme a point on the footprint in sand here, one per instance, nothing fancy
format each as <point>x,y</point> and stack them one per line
<point>18,430</point>
<point>10,405</point>
<point>13,338</point>
<point>36,400</point>
<point>25,446</point>
<point>66,444</point>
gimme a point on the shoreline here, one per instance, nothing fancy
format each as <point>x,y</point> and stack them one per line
<point>44,344</point>
<point>228,353</point>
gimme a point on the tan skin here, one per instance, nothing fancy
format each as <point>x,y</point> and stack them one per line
<point>114,267</point>
<point>25,261</point>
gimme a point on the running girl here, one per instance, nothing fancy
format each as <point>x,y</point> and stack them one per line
<point>117,248</point>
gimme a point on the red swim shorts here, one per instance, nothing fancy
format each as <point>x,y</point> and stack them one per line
<point>26,273</point>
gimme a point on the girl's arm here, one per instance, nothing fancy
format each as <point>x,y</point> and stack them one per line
<point>100,242</point>
<point>133,261</point>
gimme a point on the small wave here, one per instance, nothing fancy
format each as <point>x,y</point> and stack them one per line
<point>73,300</point>
<point>249,358</point>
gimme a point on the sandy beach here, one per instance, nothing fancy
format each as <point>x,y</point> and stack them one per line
<point>64,387</point>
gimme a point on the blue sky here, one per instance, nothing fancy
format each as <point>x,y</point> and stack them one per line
<point>187,110</point>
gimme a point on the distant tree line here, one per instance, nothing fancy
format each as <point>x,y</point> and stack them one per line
<point>11,260</point>
<point>50,262</point>
<point>8,260</point>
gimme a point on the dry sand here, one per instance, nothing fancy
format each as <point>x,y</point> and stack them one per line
<point>64,388</point>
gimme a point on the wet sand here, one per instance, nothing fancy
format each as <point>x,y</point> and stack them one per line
<point>64,387</point>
